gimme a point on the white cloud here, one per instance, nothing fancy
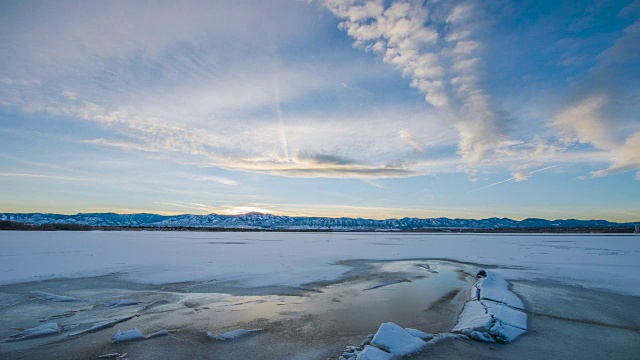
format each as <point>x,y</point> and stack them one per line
<point>218,179</point>
<point>409,138</point>
<point>603,116</point>
<point>43,176</point>
<point>411,38</point>
<point>520,175</point>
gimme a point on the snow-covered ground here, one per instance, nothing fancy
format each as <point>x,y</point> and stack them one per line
<point>608,262</point>
<point>318,295</point>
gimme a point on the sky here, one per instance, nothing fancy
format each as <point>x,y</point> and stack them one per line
<point>376,109</point>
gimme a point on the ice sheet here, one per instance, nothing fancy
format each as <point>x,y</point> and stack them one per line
<point>232,335</point>
<point>609,262</point>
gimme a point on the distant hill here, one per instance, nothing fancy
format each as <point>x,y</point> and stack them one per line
<point>257,221</point>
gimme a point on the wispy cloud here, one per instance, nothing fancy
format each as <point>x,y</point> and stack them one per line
<point>217,179</point>
<point>43,176</point>
<point>605,116</point>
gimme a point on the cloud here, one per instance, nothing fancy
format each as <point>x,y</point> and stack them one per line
<point>420,43</point>
<point>584,122</point>
<point>324,159</point>
<point>520,175</point>
<point>407,136</point>
<point>218,179</point>
<point>43,176</point>
<point>605,115</point>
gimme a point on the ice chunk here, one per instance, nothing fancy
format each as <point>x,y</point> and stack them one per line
<point>53,297</point>
<point>38,331</point>
<point>506,314</point>
<point>494,313</point>
<point>505,333</point>
<point>232,335</point>
<point>119,303</point>
<point>130,335</point>
<point>493,287</point>
<point>474,316</point>
<point>396,340</point>
<point>158,334</point>
<point>419,334</point>
<point>373,353</point>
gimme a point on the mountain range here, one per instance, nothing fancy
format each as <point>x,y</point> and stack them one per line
<point>261,221</point>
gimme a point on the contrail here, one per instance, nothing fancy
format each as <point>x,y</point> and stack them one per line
<point>285,142</point>
<point>513,178</point>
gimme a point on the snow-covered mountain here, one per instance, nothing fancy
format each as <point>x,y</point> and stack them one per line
<point>274,222</point>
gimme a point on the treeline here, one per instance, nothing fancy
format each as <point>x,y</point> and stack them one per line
<point>12,225</point>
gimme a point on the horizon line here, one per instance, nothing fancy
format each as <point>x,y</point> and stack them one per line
<point>328,217</point>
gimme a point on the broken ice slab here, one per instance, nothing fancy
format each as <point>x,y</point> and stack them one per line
<point>135,334</point>
<point>419,334</point>
<point>495,288</point>
<point>494,313</point>
<point>130,335</point>
<point>389,343</point>
<point>396,340</point>
<point>157,334</point>
<point>36,332</point>
<point>53,297</point>
<point>232,335</point>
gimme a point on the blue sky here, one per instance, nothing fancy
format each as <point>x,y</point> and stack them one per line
<point>335,108</point>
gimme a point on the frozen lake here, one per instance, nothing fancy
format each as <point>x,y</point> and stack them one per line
<point>312,293</point>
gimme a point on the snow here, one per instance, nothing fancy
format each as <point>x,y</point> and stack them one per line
<point>130,335</point>
<point>232,335</point>
<point>53,297</point>
<point>38,331</point>
<point>607,262</point>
